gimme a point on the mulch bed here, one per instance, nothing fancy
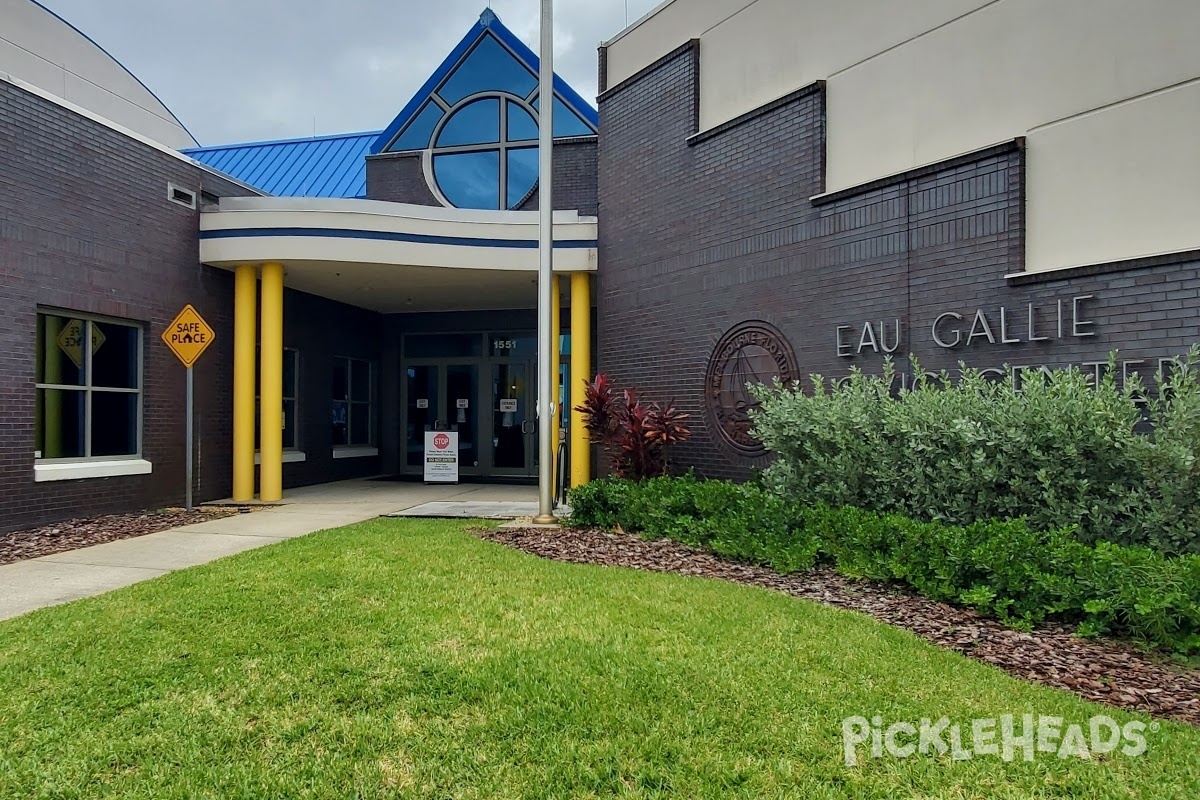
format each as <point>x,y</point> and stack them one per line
<point>76,533</point>
<point>1102,670</point>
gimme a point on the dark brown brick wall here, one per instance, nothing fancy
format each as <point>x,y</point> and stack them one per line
<point>697,237</point>
<point>399,178</point>
<point>574,178</point>
<point>85,226</point>
<point>321,331</point>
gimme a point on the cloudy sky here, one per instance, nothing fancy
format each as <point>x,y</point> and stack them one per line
<point>241,70</point>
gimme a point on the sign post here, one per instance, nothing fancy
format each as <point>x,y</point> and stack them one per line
<point>188,336</point>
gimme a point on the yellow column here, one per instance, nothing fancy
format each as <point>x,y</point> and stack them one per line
<point>581,372</point>
<point>245,319</point>
<point>270,426</point>
<point>555,365</point>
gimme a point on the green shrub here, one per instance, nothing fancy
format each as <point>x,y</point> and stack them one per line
<point>1050,448</point>
<point>1002,568</point>
<point>744,521</point>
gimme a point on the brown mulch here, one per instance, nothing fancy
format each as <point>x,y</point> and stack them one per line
<point>1102,670</point>
<point>76,533</point>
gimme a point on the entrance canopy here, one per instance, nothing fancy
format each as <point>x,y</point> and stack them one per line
<point>392,257</point>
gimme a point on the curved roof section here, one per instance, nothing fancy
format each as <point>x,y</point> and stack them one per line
<point>43,49</point>
<point>320,166</point>
<point>391,257</point>
<point>489,58</point>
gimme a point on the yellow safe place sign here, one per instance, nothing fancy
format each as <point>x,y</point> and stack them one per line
<point>188,335</point>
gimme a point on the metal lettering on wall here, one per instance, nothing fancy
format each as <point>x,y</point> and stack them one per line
<point>1030,323</point>
<point>750,352</point>
<point>1048,321</point>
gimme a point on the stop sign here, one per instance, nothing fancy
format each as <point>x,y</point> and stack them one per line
<point>441,441</point>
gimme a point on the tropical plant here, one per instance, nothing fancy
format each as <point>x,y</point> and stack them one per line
<point>634,433</point>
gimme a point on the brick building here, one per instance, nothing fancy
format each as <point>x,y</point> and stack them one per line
<point>768,188</point>
<point>794,187</point>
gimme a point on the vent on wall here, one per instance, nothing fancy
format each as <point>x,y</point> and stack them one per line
<point>184,197</point>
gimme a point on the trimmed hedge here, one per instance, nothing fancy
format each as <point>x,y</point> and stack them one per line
<point>1001,567</point>
<point>1057,449</point>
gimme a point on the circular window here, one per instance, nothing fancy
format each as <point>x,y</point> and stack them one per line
<point>485,153</point>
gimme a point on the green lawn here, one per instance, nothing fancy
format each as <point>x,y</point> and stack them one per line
<point>407,658</point>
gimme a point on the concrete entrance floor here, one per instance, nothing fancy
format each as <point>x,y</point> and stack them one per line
<point>51,580</point>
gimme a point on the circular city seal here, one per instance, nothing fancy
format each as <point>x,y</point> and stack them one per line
<point>750,352</point>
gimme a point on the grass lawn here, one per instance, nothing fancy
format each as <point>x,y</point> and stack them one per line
<point>407,658</point>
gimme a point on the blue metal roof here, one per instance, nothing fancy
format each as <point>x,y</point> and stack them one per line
<point>321,166</point>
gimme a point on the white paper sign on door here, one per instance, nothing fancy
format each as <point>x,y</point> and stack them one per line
<point>508,404</point>
<point>422,402</point>
<point>441,456</point>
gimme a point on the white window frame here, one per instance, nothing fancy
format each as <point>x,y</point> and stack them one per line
<point>87,465</point>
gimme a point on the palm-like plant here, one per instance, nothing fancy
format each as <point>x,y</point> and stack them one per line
<point>635,434</point>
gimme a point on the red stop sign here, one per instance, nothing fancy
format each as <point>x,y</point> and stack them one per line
<point>441,441</point>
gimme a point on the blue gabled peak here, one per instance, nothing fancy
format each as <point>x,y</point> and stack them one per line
<point>489,61</point>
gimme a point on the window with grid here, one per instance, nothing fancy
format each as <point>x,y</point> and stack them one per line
<point>291,391</point>
<point>352,402</point>
<point>89,387</point>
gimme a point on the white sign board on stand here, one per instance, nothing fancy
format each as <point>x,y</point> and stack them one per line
<point>441,456</point>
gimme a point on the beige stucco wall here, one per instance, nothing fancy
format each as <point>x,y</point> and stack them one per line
<point>39,48</point>
<point>919,81</point>
<point>664,28</point>
<point>1118,183</point>
<point>772,47</point>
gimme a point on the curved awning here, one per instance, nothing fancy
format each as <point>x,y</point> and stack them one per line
<point>392,256</point>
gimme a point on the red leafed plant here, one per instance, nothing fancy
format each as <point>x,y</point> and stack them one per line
<point>635,434</point>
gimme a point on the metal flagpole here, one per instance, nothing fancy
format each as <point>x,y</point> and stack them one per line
<point>545,406</point>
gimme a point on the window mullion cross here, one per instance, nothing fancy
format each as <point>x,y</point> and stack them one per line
<point>505,108</point>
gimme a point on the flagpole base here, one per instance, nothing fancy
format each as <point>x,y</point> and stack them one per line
<point>545,519</point>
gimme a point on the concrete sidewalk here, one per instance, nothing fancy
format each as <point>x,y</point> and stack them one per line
<point>51,580</point>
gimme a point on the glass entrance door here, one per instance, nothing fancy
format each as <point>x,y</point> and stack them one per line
<point>442,397</point>
<point>514,418</point>
<point>461,412</point>
<point>422,389</point>
<point>484,386</point>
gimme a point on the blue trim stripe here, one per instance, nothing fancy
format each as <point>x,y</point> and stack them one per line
<point>390,236</point>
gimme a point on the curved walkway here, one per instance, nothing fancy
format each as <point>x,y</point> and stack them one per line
<point>62,577</point>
